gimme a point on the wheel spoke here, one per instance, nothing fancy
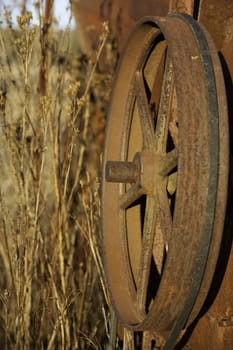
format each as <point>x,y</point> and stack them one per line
<point>153,71</point>
<point>169,162</point>
<point>159,247</point>
<point>144,112</point>
<point>164,109</point>
<point>147,251</point>
<point>172,183</point>
<point>148,337</point>
<point>164,214</point>
<point>130,196</point>
<point>173,120</point>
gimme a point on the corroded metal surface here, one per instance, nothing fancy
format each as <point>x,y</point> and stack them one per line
<point>217,17</point>
<point>121,15</point>
<point>150,293</point>
<point>213,328</point>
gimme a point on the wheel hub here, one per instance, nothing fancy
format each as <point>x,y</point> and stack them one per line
<point>148,170</point>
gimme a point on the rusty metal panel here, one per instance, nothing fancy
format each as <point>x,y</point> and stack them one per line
<point>217,17</point>
<point>121,15</point>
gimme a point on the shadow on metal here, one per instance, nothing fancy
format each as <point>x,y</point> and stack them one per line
<point>227,240</point>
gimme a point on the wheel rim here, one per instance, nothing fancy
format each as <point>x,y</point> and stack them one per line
<point>162,154</point>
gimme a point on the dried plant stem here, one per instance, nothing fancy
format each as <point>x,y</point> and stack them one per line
<point>89,234</point>
<point>7,253</point>
<point>82,299</point>
<point>31,252</point>
<point>86,114</point>
<point>45,54</point>
<point>49,286</point>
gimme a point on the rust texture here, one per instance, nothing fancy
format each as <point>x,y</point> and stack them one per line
<point>151,151</point>
<point>121,15</point>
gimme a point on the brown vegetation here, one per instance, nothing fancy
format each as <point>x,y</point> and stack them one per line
<point>52,293</point>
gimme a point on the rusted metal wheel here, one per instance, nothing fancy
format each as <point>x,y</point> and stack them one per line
<point>165,176</point>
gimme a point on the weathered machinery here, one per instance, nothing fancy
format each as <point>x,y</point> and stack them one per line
<point>166,205</point>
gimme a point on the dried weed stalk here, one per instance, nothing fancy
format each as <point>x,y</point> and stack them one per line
<point>52,283</point>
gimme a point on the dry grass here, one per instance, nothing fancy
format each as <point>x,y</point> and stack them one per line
<point>52,112</point>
